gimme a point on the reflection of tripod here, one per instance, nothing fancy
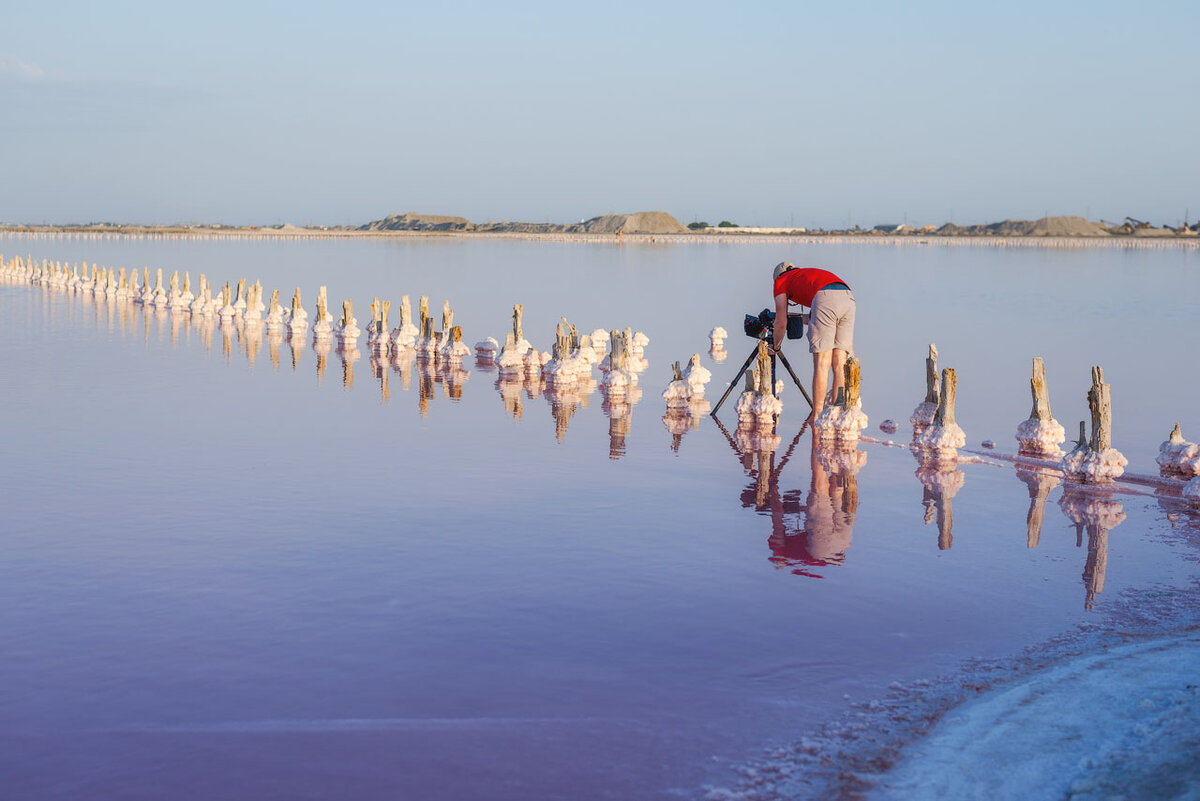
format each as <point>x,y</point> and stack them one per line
<point>753,355</point>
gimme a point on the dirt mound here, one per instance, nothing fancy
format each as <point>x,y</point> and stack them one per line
<point>411,221</point>
<point>1047,226</point>
<point>1066,226</point>
<point>643,222</point>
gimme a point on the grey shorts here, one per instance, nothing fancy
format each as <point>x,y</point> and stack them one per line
<point>831,322</point>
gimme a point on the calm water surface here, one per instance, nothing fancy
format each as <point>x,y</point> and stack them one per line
<point>232,570</point>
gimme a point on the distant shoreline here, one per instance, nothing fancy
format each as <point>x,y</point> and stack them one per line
<point>11,233</point>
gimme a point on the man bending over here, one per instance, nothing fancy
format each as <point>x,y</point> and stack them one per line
<point>830,324</point>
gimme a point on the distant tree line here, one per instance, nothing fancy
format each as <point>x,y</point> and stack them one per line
<point>697,226</point>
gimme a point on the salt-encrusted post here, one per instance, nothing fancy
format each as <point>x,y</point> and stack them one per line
<point>945,411</point>
<point>1100,405</point>
<point>922,416</point>
<point>1095,460</point>
<point>518,313</point>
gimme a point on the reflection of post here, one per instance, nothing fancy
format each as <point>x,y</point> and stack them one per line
<point>510,394</point>
<point>424,388</point>
<point>1040,485</point>
<point>1096,514</point>
<point>402,361</point>
<point>274,339</point>
<point>942,482</point>
<point>321,347</point>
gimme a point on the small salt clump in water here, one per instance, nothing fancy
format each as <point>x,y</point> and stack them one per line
<point>942,437</point>
<point>717,336</point>
<point>1096,461</point>
<point>698,376</point>
<point>888,426</point>
<point>587,351</point>
<point>1177,456</point>
<point>922,416</point>
<point>1191,491</point>
<point>987,443</point>
<point>486,350</point>
<point>1041,434</point>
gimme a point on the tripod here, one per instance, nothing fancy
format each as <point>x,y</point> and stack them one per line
<point>753,355</point>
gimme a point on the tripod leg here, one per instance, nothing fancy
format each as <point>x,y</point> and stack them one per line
<point>792,373</point>
<point>736,378</point>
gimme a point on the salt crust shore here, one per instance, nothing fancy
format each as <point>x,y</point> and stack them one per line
<point>1110,710</point>
<point>19,232</point>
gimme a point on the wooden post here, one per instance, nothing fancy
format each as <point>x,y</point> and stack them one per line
<point>423,311</point>
<point>1100,405</point>
<point>1041,395</point>
<point>853,375</point>
<point>447,317</point>
<point>296,304</point>
<point>763,369</point>
<point>518,313</point>
<point>383,317</point>
<point>945,410</point>
<point>677,373</point>
<point>931,375</point>
<point>617,356</point>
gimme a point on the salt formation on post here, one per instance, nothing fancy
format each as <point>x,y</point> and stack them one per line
<point>226,312</point>
<point>347,329</point>
<point>1095,461</point>
<point>618,380</point>
<point>697,376</point>
<point>252,315</point>
<point>679,392</point>
<point>1041,434</point>
<point>377,330</point>
<point>923,415</point>
<point>943,437</point>
<point>757,407</point>
<point>1177,456</point>
<point>445,344</point>
<point>1191,491</point>
<point>323,325</point>
<point>566,367</point>
<point>239,301</point>
<point>511,362</point>
<point>455,349</point>
<point>844,421</point>
<point>275,314</point>
<point>404,335</point>
<point>159,296</point>
<point>297,319</point>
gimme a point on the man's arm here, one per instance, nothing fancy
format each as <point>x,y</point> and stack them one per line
<point>779,332</point>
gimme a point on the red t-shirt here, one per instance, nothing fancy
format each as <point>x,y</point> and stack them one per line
<point>802,283</point>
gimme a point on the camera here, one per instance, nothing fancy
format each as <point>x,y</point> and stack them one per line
<point>761,325</point>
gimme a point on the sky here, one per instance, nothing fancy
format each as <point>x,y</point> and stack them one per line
<point>761,113</point>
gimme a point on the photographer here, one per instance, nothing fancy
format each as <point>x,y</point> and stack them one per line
<point>830,323</point>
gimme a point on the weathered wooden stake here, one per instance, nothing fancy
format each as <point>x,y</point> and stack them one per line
<point>1100,405</point>
<point>931,375</point>
<point>518,313</point>
<point>853,375</point>
<point>945,410</point>
<point>1041,394</point>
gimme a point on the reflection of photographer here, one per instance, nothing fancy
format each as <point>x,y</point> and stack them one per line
<point>830,323</point>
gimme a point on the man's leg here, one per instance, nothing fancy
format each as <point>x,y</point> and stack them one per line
<point>839,371</point>
<point>820,381</point>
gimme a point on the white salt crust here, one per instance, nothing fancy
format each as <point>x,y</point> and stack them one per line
<point>1177,456</point>
<point>941,441</point>
<point>1043,437</point>
<point>1088,466</point>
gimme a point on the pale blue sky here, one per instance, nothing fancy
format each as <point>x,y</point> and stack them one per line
<point>761,113</point>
